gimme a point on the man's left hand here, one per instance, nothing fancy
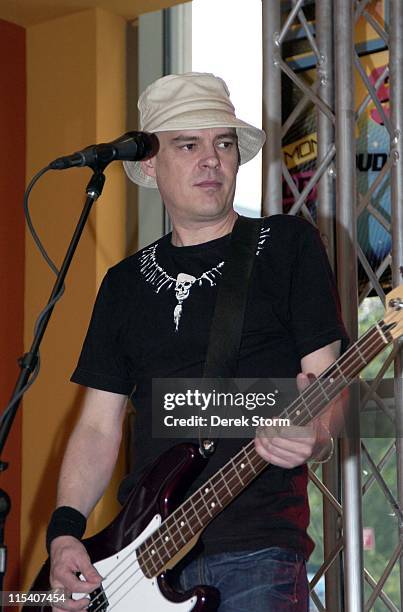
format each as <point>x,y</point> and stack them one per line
<point>291,446</point>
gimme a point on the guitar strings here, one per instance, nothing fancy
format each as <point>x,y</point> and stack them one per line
<point>345,358</point>
<point>132,586</point>
<point>308,396</point>
<point>119,587</point>
<point>365,340</point>
<point>243,450</point>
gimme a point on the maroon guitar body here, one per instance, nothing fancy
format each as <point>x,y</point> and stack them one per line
<point>157,495</point>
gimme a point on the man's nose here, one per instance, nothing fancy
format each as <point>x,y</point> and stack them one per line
<point>210,158</point>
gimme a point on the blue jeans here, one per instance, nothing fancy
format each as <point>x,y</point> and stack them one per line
<point>267,580</point>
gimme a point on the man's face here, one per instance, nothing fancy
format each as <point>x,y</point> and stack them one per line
<point>196,172</point>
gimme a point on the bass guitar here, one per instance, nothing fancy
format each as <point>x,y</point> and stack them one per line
<point>154,531</point>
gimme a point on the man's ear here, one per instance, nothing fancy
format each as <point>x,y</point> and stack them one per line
<point>148,167</point>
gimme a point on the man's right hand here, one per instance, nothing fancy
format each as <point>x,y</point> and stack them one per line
<point>69,557</point>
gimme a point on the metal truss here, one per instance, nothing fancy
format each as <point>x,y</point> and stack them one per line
<point>324,35</point>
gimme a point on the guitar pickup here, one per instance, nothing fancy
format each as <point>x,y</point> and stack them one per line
<point>99,601</point>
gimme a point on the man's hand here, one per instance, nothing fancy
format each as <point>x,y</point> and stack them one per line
<point>68,556</point>
<point>291,446</point>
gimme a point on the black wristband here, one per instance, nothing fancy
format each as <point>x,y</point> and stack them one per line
<point>65,521</point>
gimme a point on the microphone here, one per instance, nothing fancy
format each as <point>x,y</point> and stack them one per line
<point>132,146</point>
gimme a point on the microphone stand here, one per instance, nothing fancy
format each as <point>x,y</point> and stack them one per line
<point>29,360</point>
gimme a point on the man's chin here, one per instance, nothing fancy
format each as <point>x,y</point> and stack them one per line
<point>203,210</point>
<point>212,206</point>
<point>208,212</point>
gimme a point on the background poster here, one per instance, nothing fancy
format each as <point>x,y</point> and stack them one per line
<point>373,141</point>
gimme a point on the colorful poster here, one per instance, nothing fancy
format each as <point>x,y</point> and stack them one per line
<point>373,142</point>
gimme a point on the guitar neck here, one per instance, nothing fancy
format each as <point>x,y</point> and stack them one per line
<point>191,517</point>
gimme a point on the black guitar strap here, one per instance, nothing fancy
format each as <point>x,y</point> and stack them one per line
<point>229,312</point>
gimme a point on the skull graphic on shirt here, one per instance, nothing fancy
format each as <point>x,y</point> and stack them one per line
<point>183,285</point>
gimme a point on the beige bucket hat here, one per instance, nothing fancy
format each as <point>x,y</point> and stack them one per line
<point>191,101</point>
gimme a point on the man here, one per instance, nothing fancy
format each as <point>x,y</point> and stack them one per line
<point>143,328</point>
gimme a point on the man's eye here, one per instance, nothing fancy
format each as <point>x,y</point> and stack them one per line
<point>225,144</point>
<point>188,146</point>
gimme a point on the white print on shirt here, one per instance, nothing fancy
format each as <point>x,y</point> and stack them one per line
<point>183,283</point>
<point>183,286</point>
<point>264,234</point>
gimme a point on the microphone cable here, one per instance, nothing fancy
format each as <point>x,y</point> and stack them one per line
<point>48,306</point>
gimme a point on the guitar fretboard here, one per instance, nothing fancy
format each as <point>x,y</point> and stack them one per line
<point>203,505</point>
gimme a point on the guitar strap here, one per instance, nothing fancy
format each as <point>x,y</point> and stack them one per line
<point>229,312</point>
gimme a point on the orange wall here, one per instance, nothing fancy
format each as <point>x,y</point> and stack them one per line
<point>12,179</point>
<point>76,96</point>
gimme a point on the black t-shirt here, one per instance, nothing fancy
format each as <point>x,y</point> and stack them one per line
<point>151,320</point>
